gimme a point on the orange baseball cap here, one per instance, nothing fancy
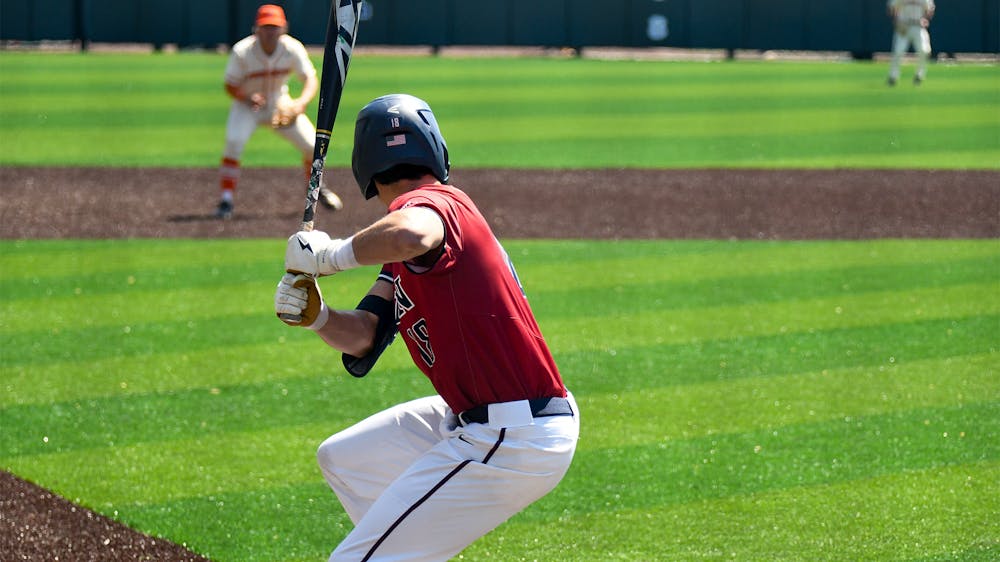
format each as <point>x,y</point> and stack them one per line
<point>269,14</point>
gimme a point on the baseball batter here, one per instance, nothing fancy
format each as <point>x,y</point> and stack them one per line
<point>256,78</point>
<point>910,21</point>
<point>424,479</point>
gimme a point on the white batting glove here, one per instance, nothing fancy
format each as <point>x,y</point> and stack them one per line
<point>315,253</point>
<point>299,302</point>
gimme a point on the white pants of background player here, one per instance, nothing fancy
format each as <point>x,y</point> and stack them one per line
<point>420,487</point>
<point>242,123</point>
<point>921,40</point>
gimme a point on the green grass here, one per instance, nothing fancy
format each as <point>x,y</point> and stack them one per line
<point>170,110</point>
<point>740,400</point>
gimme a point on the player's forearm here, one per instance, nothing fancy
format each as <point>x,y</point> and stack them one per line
<point>349,331</point>
<point>309,89</point>
<point>254,100</point>
<point>236,92</point>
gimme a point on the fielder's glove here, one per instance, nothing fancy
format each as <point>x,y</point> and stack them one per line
<point>313,252</point>
<point>299,302</point>
<point>285,113</point>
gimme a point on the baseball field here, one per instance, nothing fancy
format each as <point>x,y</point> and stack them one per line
<point>773,287</point>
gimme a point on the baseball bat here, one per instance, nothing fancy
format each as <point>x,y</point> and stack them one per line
<point>341,31</point>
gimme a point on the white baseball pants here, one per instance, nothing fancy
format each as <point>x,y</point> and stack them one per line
<point>418,486</point>
<point>243,121</point>
<point>921,41</point>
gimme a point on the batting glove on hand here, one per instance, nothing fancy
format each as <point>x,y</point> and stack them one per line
<point>299,302</point>
<point>315,253</point>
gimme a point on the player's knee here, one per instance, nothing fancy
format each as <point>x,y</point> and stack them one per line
<point>330,454</point>
<point>234,148</point>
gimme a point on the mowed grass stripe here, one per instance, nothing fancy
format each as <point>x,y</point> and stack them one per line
<point>570,106</point>
<point>55,260</point>
<point>705,324</point>
<point>203,328</point>
<point>647,476</point>
<point>120,298</point>
<point>634,368</point>
<point>797,101</point>
<point>304,522</point>
<point>148,473</point>
<point>744,126</point>
<point>89,423</point>
<point>836,450</point>
<point>587,372</point>
<point>921,515</point>
<point>661,415</point>
<point>66,268</point>
<point>913,513</point>
<point>654,413</point>
<point>122,375</point>
<point>629,293</point>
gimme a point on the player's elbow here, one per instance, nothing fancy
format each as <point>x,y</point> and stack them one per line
<point>413,243</point>
<point>416,232</point>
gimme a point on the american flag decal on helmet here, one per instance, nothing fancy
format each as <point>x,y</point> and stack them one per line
<point>396,140</point>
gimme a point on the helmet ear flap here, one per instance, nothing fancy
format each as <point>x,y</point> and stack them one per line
<point>447,162</point>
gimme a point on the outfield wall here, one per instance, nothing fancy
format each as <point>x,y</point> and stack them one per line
<point>857,26</point>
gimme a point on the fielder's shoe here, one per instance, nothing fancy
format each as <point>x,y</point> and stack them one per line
<point>917,80</point>
<point>890,81</point>
<point>224,210</point>
<point>329,199</point>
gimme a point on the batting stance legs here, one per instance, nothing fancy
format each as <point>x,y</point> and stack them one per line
<point>407,477</point>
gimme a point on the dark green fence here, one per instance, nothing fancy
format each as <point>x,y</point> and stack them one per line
<point>857,26</point>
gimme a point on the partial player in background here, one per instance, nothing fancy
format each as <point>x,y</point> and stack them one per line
<point>910,20</point>
<point>256,77</point>
<point>424,479</point>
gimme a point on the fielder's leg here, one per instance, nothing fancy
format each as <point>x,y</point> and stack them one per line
<point>240,124</point>
<point>899,46</point>
<point>922,44</point>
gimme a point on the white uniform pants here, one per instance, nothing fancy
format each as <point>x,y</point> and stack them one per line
<point>920,39</point>
<point>420,487</point>
<point>243,121</point>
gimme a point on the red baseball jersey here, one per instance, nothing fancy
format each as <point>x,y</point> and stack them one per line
<point>465,319</point>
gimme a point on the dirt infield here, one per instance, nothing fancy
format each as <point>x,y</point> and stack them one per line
<point>616,204</point>
<point>51,203</point>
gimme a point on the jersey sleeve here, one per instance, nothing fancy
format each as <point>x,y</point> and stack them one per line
<point>235,70</point>
<point>449,218</point>
<point>302,64</point>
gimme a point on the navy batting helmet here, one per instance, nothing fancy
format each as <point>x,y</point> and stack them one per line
<point>396,129</point>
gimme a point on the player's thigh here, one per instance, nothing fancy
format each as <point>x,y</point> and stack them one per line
<point>922,42</point>
<point>387,442</point>
<point>900,44</point>
<point>301,134</point>
<point>240,125</point>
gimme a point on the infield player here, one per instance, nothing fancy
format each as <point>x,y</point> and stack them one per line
<point>256,78</point>
<point>424,479</point>
<point>910,20</point>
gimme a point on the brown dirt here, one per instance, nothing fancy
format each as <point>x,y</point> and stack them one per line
<point>737,204</point>
<point>606,204</point>
<point>38,525</point>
